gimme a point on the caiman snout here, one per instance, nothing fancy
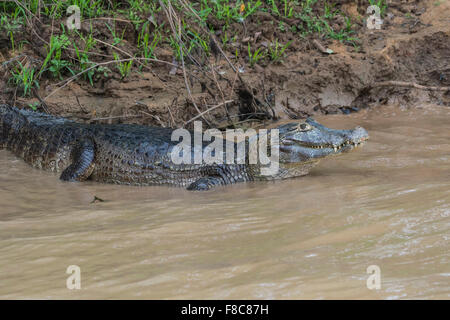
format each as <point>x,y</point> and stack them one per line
<point>358,135</point>
<point>311,140</point>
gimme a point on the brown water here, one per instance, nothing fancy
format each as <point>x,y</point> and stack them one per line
<point>386,204</point>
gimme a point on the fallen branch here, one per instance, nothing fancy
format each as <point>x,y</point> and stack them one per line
<point>154,117</point>
<point>322,48</point>
<point>117,117</point>
<point>170,112</point>
<point>206,111</point>
<point>43,104</point>
<point>221,91</point>
<point>4,63</point>
<point>408,85</point>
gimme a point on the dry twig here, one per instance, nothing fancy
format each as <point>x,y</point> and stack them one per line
<point>408,85</point>
<point>206,111</point>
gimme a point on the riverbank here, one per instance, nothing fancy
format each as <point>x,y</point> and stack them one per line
<point>156,62</point>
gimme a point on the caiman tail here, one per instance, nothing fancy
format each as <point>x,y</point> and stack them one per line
<point>41,140</point>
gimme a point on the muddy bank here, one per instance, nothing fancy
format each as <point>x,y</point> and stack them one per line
<point>412,46</point>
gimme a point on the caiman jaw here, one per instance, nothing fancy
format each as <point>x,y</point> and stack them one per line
<point>310,141</point>
<point>336,148</point>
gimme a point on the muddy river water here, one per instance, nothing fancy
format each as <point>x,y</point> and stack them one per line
<point>386,204</point>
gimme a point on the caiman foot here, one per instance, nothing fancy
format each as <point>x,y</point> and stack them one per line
<point>205,183</point>
<point>82,162</point>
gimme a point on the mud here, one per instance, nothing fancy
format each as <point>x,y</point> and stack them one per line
<point>413,45</point>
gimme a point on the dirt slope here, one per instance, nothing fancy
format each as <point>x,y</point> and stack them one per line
<point>413,46</point>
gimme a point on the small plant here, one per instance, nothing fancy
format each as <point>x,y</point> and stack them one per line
<point>288,8</point>
<point>57,65</point>
<point>83,58</point>
<point>101,70</point>
<point>312,22</point>
<point>329,12</point>
<point>116,39</point>
<point>276,50</point>
<point>348,24</point>
<point>53,59</point>
<point>197,41</point>
<point>251,7</point>
<point>342,35</point>
<point>136,9</point>
<point>54,10</point>
<point>89,8</point>
<point>307,6</point>
<point>382,4</point>
<point>124,67</point>
<point>85,65</point>
<point>10,26</point>
<point>255,56</point>
<point>146,47</point>
<point>24,77</point>
<point>225,39</point>
<point>274,7</point>
<point>33,105</point>
<point>227,11</point>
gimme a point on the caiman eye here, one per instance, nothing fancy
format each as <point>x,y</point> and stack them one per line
<point>304,127</point>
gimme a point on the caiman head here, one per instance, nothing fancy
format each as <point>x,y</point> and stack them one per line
<point>303,144</point>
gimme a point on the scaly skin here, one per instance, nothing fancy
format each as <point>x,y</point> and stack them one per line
<point>141,155</point>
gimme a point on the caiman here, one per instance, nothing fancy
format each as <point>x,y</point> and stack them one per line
<point>141,155</point>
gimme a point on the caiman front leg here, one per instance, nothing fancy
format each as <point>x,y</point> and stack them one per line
<point>82,156</point>
<point>206,183</point>
<point>219,175</point>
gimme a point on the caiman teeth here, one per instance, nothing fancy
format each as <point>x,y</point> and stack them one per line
<point>334,147</point>
<point>346,143</point>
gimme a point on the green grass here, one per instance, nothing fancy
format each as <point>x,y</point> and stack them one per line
<point>116,38</point>
<point>24,78</point>
<point>53,61</point>
<point>227,11</point>
<point>145,45</point>
<point>124,67</point>
<point>283,8</point>
<point>276,50</point>
<point>69,52</point>
<point>255,56</point>
<point>382,4</point>
<point>11,25</point>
